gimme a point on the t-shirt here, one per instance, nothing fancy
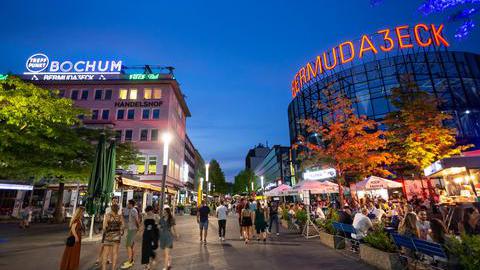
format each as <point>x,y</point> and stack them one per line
<point>423,227</point>
<point>132,219</point>
<point>253,206</point>
<point>361,223</point>
<point>203,212</point>
<point>222,212</point>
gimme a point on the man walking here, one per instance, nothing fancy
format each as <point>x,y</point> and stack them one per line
<point>202,219</point>
<point>239,209</point>
<point>222,220</point>
<point>133,223</point>
<point>273,216</point>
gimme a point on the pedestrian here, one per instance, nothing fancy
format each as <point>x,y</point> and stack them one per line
<point>239,209</point>
<point>202,219</point>
<point>71,254</point>
<point>273,216</point>
<point>133,223</point>
<point>112,234</point>
<point>260,223</point>
<point>107,211</point>
<point>246,221</point>
<point>167,231</point>
<point>150,237</point>
<point>222,212</point>
<point>26,216</point>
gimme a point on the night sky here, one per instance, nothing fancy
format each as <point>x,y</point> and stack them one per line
<point>234,62</point>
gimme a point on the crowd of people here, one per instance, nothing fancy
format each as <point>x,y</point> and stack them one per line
<point>158,230</point>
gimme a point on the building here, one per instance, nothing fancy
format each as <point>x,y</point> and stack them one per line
<point>190,165</point>
<point>139,103</point>
<point>275,167</point>
<point>255,156</point>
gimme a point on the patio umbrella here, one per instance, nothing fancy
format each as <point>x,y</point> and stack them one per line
<point>375,182</point>
<point>97,178</point>
<point>278,191</point>
<point>316,187</point>
<point>110,174</point>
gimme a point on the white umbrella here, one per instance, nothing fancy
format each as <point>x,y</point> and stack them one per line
<point>316,187</point>
<point>375,182</point>
<point>278,191</point>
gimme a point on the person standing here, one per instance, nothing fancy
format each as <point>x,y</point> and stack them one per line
<point>133,223</point>
<point>202,219</point>
<point>260,223</point>
<point>246,221</point>
<point>273,217</point>
<point>222,212</point>
<point>167,231</point>
<point>71,254</point>
<point>150,237</point>
<point>108,210</point>
<point>239,209</point>
<point>112,233</point>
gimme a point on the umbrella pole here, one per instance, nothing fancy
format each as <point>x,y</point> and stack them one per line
<point>91,227</point>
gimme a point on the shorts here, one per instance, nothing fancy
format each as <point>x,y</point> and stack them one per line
<point>130,238</point>
<point>203,225</point>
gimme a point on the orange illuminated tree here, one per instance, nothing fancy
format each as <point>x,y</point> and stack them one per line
<point>349,143</point>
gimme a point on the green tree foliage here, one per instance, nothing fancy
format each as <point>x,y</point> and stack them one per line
<point>217,177</point>
<point>242,181</point>
<point>416,133</point>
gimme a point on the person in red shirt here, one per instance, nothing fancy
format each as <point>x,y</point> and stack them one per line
<point>240,206</point>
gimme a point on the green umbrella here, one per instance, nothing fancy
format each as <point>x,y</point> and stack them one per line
<point>110,174</point>
<point>97,178</point>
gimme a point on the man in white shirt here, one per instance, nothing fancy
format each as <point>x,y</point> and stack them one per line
<point>423,225</point>
<point>222,212</point>
<point>378,212</point>
<point>362,224</point>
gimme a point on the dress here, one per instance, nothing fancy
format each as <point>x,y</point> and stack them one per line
<point>246,218</point>
<point>166,237</point>
<point>113,231</point>
<point>260,223</point>
<point>149,240</point>
<point>71,255</point>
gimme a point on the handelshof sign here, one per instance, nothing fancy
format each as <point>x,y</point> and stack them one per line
<point>401,37</point>
<point>133,104</point>
<point>319,174</point>
<point>40,67</point>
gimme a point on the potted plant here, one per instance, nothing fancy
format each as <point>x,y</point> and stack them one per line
<point>284,220</point>
<point>464,252</point>
<point>328,234</point>
<point>379,250</point>
<point>301,217</point>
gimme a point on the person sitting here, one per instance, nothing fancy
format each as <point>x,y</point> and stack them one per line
<point>471,221</point>
<point>408,227</point>
<point>362,224</point>
<point>438,231</point>
<point>423,225</point>
<point>319,213</point>
<point>345,216</point>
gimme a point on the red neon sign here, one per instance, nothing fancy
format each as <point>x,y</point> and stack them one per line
<point>345,52</point>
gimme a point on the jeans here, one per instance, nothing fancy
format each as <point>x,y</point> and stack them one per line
<point>273,218</point>
<point>222,224</point>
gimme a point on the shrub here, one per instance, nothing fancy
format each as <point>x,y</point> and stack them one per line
<point>466,249</point>
<point>301,216</point>
<point>285,213</point>
<point>380,239</point>
<point>327,224</point>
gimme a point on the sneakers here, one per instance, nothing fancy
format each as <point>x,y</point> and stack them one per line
<point>127,264</point>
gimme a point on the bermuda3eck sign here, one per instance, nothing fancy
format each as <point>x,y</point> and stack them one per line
<point>401,38</point>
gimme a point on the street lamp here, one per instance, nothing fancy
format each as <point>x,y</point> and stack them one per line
<point>207,166</point>
<point>200,192</point>
<point>166,138</point>
<point>261,182</point>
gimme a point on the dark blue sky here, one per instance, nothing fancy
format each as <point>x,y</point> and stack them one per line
<point>234,61</point>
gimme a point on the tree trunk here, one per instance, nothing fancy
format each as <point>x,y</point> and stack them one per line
<point>59,205</point>
<point>341,197</point>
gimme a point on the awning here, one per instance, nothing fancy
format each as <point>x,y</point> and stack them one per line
<point>15,186</point>
<point>142,185</point>
<point>452,165</point>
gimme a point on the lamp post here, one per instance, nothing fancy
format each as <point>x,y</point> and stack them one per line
<point>207,166</point>
<point>200,192</point>
<point>166,138</point>
<point>261,184</point>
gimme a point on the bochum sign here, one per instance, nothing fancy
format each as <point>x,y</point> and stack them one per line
<point>39,67</point>
<point>401,37</point>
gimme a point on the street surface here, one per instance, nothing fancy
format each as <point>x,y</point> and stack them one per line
<point>41,247</point>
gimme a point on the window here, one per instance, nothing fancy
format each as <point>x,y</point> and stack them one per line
<point>133,93</point>
<point>156,114</point>
<point>105,114</point>
<point>131,114</point>
<point>61,93</point>
<point>123,94</point>
<point>152,165</point>
<point>128,135</point>
<point>84,94</point>
<point>157,93</point>
<point>74,94</point>
<point>98,94</point>
<point>120,114</point>
<point>118,135</point>
<point>147,93</point>
<point>81,116</point>
<point>143,135</point>
<point>108,94</point>
<point>154,135</point>
<point>141,165</point>
<point>146,114</point>
<point>171,168</point>
<point>95,114</point>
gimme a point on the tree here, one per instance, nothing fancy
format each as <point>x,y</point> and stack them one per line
<point>416,132</point>
<point>217,177</point>
<point>242,181</point>
<point>348,143</point>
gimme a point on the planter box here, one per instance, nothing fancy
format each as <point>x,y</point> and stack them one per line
<point>380,259</point>
<point>333,241</point>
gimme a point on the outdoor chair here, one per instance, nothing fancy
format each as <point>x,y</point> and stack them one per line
<point>418,249</point>
<point>347,230</point>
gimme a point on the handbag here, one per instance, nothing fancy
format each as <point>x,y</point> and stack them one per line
<point>70,241</point>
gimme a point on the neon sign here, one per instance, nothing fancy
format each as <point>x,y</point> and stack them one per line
<point>400,38</point>
<point>40,67</point>
<point>141,76</point>
<point>3,77</point>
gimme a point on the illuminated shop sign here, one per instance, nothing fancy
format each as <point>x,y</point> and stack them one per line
<point>143,76</point>
<point>320,174</point>
<point>402,37</point>
<point>133,104</point>
<point>39,67</point>
<point>3,77</point>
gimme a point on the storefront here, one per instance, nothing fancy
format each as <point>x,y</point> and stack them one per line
<point>12,198</point>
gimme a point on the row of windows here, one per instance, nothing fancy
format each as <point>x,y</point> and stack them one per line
<point>144,135</point>
<point>106,94</point>
<point>126,114</point>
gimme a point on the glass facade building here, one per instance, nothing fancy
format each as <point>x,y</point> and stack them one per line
<point>275,166</point>
<point>451,76</point>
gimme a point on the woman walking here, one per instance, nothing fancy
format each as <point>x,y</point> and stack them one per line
<point>246,221</point>
<point>167,226</point>
<point>113,231</point>
<point>71,255</point>
<point>260,223</point>
<point>150,237</point>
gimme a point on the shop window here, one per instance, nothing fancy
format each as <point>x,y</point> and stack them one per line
<point>95,114</point>
<point>108,94</point>
<point>154,135</point>
<point>157,93</point>
<point>74,94</point>
<point>98,94</point>
<point>120,114</point>
<point>133,94</point>
<point>122,94</point>
<point>146,114</point>
<point>156,114</point>
<point>128,135</point>
<point>118,135</point>
<point>143,135</point>
<point>147,93</point>
<point>141,165</point>
<point>105,114</point>
<point>131,114</point>
<point>152,165</point>
<point>84,94</point>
